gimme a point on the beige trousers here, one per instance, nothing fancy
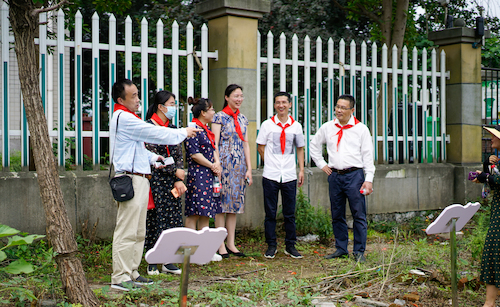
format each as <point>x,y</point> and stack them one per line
<point>130,231</point>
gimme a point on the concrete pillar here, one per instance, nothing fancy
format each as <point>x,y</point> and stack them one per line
<point>232,30</point>
<point>463,93</point>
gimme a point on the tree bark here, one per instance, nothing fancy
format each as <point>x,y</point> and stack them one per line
<point>59,231</point>
<point>394,34</point>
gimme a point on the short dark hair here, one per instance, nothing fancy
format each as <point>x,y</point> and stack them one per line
<point>118,89</point>
<point>199,104</point>
<point>229,89</point>
<point>283,94</point>
<point>349,98</point>
<point>160,98</point>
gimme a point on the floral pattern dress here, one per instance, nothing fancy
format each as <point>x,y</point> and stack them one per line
<point>168,209</point>
<point>232,159</point>
<point>490,262</point>
<point>199,194</point>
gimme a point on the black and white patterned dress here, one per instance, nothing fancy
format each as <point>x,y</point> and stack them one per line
<point>168,209</point>
<point>490,262</point>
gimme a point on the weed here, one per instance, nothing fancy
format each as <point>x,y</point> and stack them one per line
<point>312,220</point>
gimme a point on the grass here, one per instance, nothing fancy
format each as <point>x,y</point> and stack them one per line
<point>393,250</point>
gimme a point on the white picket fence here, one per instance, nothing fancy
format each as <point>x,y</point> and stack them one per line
<point>61,55</point>
<point>365,79</point>
<point>362,76</point>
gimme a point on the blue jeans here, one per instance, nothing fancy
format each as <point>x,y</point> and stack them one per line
<point>288,195</point>
<point>342,187</point>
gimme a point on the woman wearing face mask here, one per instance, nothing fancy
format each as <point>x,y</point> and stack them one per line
<point>230,129</point>
<point>167,211</point>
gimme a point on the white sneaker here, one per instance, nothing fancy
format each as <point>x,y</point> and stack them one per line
<point>153,270</point>
<point>216,257</point>
<point>170,268</point>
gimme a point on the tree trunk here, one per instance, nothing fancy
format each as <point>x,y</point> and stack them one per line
<point>59,231</point>
<point>393,35</point>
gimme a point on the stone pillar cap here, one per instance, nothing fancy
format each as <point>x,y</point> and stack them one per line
<point>456,35</point>
<point>211,9</point>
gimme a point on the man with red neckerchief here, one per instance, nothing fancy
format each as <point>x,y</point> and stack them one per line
<point>127,134</point>
<point>278,137</point>
<point>350,171</point>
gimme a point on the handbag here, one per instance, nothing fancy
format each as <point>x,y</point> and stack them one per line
<point>121,186</point>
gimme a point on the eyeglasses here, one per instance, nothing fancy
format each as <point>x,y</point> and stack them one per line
<point>238,97</point>
<point>337,107</point>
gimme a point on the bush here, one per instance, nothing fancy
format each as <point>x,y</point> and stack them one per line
<point>310,220</point>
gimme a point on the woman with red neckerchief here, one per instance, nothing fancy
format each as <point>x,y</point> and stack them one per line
<point>165,209</point>
<point>203,166</point>
<point>230,129</point>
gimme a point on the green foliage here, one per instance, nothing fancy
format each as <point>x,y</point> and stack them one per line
<point>312,220</point>
<point>15,161</point>
<point>16,257</point>
<point>474,242</point>
<point>490,54</point>
<point>18,266</point>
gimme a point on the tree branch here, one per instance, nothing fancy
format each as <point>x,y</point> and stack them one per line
<point>362,11</point>
<point>50,8</point>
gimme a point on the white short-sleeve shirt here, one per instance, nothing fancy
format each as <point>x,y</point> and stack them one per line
<point>278,166</point>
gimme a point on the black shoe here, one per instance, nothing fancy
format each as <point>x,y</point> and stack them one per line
<point>271,251</point>
<point>224,256</point>
<point>126,286</point>
<point>238,254</point>
<point>171,268</point>
<point>359,257</point>
<point>337,254</point>
<point>140,281</point>
<point>292,252</point>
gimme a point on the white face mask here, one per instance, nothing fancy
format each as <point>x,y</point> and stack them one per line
<point>171,111</point>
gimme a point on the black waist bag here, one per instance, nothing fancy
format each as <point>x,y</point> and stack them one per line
<point>122,188</point>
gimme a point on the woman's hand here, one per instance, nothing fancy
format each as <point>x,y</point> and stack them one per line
<point>180,186</point>
<point>475,179</point>
<point>248,176</point>
<point>216,168</point>
<point>493,159</point>
<point>180,173</point>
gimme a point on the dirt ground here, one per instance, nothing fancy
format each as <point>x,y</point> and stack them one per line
<point>339,281</point>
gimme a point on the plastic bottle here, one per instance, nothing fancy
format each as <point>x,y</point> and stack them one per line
<point>363,191</point>
<point>486,190</point>
<point>216,187</point>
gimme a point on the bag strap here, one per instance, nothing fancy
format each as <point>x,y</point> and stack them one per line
<point>114,146</point>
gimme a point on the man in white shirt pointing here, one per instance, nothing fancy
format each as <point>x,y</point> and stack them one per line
<point>350,171</point>
<point>127,134</point>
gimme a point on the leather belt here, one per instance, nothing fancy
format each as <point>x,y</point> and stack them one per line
<point>148,176</point>
<point>345,171</point>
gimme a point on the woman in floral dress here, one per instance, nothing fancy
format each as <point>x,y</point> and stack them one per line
<point>167,211</point>
<point>230,128</point>
<point>490,262</point>
<point>203,166</point>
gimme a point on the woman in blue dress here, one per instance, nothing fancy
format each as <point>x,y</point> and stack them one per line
<point>203,165</point>
<point>230,128</point>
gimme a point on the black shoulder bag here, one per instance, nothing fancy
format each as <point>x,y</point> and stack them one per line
<point>121,186</point>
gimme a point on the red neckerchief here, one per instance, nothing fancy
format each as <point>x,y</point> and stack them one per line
<point>230,112</point>
<point>210,134</point>
<point>158,120</point>
<point>283,134</point>
<point>122,107</point>
<point>342,128</point>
